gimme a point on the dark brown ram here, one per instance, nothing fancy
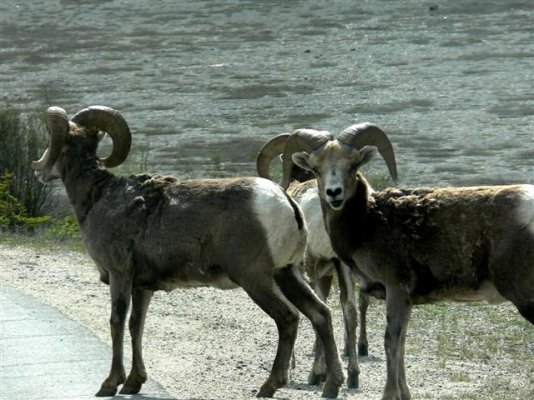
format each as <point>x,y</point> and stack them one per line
<point>415,246</point>
<point>151,232</point>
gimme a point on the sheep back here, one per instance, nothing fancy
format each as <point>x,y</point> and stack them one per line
<point>175,233</point>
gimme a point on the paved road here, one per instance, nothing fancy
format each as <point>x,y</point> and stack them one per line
<point>46,355</point>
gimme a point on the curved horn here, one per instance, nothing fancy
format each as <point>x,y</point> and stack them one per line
<point>111,121</point>
<point>366,133</point>
<point>301,140</point>
<point>57,125</point>
<point>270,150</point>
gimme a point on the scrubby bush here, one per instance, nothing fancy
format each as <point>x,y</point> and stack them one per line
<point>22,141</point>
<point>63,229</point>
<point>13,214</point>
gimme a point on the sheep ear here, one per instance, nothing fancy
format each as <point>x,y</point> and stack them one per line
<point>302,159</point>
<point>367,153</point>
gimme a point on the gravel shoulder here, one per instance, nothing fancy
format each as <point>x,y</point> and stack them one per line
<point>212,344</point>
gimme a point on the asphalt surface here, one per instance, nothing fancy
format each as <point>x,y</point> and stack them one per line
<point>46,355</point>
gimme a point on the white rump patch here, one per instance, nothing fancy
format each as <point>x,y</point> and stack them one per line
<point>525,211</point>
<point>277,216</point>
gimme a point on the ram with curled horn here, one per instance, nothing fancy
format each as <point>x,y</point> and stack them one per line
<point>422,245</point>
<point>151,232</point>
<point>320,260</point>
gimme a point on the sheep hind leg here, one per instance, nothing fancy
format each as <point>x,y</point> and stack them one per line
<point>140,302</point>
<point>121,290</point>
<point>319,373</point>
<point>297,290</point>
<point>512,271</point>
<point>274,303</point>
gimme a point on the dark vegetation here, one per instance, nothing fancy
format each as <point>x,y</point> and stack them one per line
<point>23,198</point>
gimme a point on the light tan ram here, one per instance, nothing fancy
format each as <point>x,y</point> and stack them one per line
<point>320,260</point>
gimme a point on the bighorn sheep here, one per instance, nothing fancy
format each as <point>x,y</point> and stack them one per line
<point>423,245</point>
<point>320,261</point>
<point>151,232</point>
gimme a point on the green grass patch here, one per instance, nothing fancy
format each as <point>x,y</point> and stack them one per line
<point>56,232</point>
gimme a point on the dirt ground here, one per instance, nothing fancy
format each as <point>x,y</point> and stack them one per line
<point>213,344</point>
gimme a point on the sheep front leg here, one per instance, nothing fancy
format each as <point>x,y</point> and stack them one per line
<point>140,302</point>
<point>405,390</point>
<point>350,318</point>
<point>121,289</point>
<point>398,310</point>
<point>321,286</point>
<point>363,343</point>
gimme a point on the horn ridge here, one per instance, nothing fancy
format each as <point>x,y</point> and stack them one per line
<point>367,133</point>
<point>268,152</point>
<point>57,125</point>
<point>111,121</point>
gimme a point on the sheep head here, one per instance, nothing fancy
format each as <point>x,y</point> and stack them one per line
<point>91,119</point>
<point>336,162</point>
<point>274,148</point>
<point>286,144</point>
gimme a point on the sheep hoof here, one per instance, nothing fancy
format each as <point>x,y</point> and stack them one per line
<point>363,350</point>
<point>106,392</point>
<point>267,390</point>
<point>352,380</point>
<point>316,379</point>
<point>130,389</point>
<point>330,390</point>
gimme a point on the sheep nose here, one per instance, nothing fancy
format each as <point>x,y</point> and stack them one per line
<point>334,192</point>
